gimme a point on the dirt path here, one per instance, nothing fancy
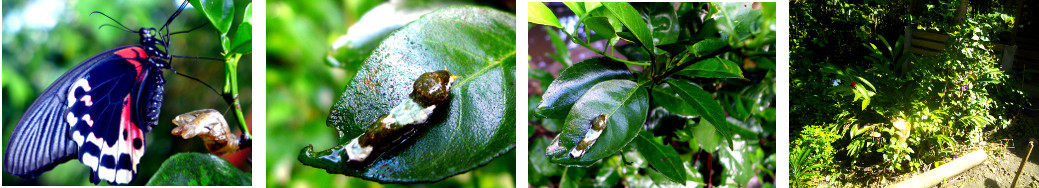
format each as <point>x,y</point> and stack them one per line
<point>1001,167</point>
<point>999,171</point>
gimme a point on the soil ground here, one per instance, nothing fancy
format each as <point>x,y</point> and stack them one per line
<point>1001,167</point>
<point>1010,147</point>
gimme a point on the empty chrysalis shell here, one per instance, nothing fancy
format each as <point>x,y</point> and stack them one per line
<point>209,125</point>
<point>430,90</point>
<point>598,125</point>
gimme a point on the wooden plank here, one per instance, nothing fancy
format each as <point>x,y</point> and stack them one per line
<point>1026,55</point>
<point>1027,40</point>
<point>932,36</point>
<point>998,47</point>
<point>924,52</point>
<point>917,43</point>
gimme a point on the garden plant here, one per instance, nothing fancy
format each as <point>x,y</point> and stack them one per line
<point>689,101</point>
<point>868,109</point>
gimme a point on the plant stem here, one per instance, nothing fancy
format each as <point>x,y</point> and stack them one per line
<point>231,90</point>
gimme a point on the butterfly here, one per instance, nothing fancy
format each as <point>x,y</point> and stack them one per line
<point>97,112</point>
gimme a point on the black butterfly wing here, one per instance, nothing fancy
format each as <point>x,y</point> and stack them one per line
<point>40,141</point>
<point>89,111</point>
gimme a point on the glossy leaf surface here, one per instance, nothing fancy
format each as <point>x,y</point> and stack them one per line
<point>713,68</point>
<point>625,105</point>
<point>575,80</point>
<point>663,158</point>
<point>475,125</point>
<point>195,169</point>
<point>702,102</point>
<point>540,14</point>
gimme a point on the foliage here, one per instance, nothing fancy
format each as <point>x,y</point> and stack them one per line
<point>812,159</point>
<point>303,84</point>
<point>37,53</point>
<point>876,87</point>
<point>691,104</point>
<point>194,169</point>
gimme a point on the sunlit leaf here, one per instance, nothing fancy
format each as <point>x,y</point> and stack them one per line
<point>540,14</point>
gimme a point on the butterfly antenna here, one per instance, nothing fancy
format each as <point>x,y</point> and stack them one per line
<point>192,29</point>
<point>113,20</point>
<point>229,107</point>
<point>196,79</point>
<point>170,20</point>
<point>193,57</point>
<point>127,30</point>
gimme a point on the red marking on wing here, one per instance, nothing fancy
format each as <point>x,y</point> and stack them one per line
<point>126,123</point>
<point>131,54</point>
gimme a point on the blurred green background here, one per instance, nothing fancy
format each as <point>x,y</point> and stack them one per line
<point>42,39</point>
<point>302,85</point>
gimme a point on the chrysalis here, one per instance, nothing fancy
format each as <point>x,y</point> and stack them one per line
<point>209,125</point>
<point>598,125</point>
<point>430,90</point>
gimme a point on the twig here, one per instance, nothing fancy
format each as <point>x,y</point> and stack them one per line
<point>1031,145</point>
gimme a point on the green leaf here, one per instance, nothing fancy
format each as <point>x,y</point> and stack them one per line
<point>631,20</point>
<point>609,174</point>
<point>475,126</point>
<point>540,14</point>
<point>625,106</point>
<point>572,177</point>
<point>562,54</point>
<point>574,81</point>
<point>242,42</point>
<point>662,21</point>
<point>737,20</point>
<point>576,7</point>
<point>663,158</point>
<point>664,96</point>
<point>601,26</point>
<point>739,109</point>
<point>634,52</point>
<point>705,47</point>
<point>713,68</point>
<point>740,162</point>
<point>219,12</point>
<point>707,135</point>
<point>708,30</point>
<point>195,169</point>
<point>703,103</point>
<point>539,161</point>
<point>378,23</point>
<point>543,76</point>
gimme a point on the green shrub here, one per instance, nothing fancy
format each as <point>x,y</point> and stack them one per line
<point>841,59</point>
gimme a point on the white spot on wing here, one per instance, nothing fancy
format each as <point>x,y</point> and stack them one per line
<point>81,83</point>
<point>86,118</point>
<point>86,100</point>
